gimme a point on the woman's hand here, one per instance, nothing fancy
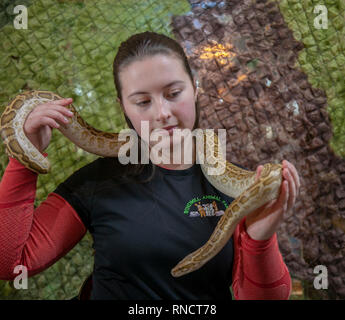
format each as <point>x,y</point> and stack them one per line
<point>40,121</point>
<point>263,222</point>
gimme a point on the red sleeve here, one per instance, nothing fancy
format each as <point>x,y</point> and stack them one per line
<point>259,271</point>
<point>34,238</point>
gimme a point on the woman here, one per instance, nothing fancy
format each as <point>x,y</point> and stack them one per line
<point>144,218</point>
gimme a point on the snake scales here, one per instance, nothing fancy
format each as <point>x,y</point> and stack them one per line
<point>235,182</point>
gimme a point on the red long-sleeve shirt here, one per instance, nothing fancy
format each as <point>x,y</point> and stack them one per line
<point>37,238</point>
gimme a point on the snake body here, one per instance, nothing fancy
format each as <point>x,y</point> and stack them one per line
<point>235,182</point>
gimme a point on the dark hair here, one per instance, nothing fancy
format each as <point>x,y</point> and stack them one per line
<point>138,47</point>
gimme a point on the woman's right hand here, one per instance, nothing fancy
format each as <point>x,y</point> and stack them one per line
<point>40,121</point>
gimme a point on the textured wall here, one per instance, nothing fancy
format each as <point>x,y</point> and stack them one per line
<point>246,58</point>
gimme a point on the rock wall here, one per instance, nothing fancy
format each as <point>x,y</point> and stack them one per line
<point>246,60</point>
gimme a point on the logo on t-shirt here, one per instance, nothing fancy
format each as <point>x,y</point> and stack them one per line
<point>205,206</point>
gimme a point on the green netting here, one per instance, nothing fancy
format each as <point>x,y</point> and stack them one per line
<point>69,48</point>
<point>323,58</point>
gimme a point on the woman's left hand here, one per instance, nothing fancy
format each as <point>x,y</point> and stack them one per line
<point>264,221</point>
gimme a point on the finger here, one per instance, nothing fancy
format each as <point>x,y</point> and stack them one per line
<point>258,172</point>
<point>286,196</point>
<point>291,187</point>
<point>283,198</point>
<point>56,115</point>
<point>51,106</point>
<point>65,101</point>
<point>294,174</point>
<point>65,110</point>
<point>47,121</point>
<point>49,109</point>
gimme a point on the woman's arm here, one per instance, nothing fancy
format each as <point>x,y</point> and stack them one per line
<point>259,272</point>
<point>35,238</point>
<point>259,269</point>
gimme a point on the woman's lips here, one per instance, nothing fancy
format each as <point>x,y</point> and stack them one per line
<point>170,129</point>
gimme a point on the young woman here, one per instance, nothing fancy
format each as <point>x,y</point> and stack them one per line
<point>144,218</point>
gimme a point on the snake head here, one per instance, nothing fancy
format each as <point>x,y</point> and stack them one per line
<point>268,168</point>
<point>182,268</point>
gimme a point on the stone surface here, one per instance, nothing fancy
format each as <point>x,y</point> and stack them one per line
<point>251,87</point>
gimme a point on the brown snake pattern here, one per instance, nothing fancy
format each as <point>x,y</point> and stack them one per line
<point>233,181</point>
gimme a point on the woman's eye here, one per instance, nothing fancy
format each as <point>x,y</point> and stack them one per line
<point>173,95</point>
<point>142,103</point>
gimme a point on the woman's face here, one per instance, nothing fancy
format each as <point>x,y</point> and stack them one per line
<point>159,91</point>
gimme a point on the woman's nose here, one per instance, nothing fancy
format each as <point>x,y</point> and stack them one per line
<point>163,110</point>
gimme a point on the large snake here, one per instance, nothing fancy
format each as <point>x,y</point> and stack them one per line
<point>235,182</point>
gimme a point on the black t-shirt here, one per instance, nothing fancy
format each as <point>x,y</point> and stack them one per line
<point>141,231</point>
